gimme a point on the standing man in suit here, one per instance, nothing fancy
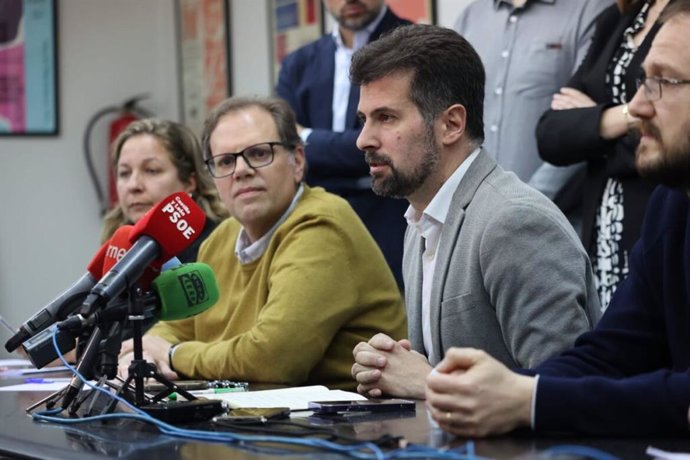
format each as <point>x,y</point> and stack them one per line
<point>529,49</point>
<point>315,82</point>
<point>489,262</point>
<point>631,374</point>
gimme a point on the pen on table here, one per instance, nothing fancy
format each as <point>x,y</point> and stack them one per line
<point>44,370</point>
<point>37,380</point>
<point>211,391</point>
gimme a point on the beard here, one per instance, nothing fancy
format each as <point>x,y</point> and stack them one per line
<point>357,24</point>
<point>666,163</point>
<point>400,184</point>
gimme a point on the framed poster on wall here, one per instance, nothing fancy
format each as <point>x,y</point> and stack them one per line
<point>294,23</point>
<point>28,68</point>
<point>417,11</point>
<point>204,50</point>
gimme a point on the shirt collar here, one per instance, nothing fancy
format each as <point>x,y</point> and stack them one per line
<point>246,251</point>
<point>438,207</point>
<point>361,37</point>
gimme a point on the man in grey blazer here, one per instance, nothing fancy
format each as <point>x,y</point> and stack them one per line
<point>489,262</point>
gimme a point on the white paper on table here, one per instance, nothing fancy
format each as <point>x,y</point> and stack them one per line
<point>296,398</point>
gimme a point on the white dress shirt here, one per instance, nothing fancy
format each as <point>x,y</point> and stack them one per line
<point>429,225</point>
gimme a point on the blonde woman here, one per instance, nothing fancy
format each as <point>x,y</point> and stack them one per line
<point>152,159</point>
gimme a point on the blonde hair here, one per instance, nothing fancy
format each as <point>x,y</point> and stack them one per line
<point>185,153</point>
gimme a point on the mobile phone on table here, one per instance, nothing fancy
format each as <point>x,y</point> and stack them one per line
<point>369,405</point>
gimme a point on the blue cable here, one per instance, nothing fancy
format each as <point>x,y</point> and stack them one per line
<point>364,451</point>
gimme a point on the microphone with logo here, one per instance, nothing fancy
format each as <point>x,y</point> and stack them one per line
<point>63,305</point>
<point>177,293</point>
<point>165,230</point>
<point>40,349</point>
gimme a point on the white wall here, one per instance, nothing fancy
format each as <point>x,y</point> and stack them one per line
<point>108,51</point>
<point>251,52</point>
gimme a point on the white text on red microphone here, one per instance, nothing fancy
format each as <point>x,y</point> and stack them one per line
<point>176,211</point>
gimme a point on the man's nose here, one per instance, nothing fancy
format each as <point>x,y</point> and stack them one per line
<point>242,168</point>
<point>366,139</point>
<point>640,107</point>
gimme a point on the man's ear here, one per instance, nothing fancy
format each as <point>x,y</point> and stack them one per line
<point>300,161</point>
<point>453,123</point>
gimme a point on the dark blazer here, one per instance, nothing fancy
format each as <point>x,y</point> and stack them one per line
<point>306,82</point>
<point>335,162</point>
<point>631,374</point>
<point>566,137</point>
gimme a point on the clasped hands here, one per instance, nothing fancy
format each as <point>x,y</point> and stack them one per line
<point>468,393</point>
<point>386,366</point>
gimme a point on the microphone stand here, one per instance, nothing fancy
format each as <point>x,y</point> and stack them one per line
<point>139,368</point>
<point>108,349</point>
<point>66,395</point>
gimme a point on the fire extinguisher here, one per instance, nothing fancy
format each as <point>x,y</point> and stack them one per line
<point>127,112</point>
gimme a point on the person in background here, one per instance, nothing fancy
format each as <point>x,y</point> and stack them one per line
<point>529,49</point>
<point>301,280</point>
<point>314,80</point>
<point>153,159</point>
<point>631,375</point>
<point>589,122</point>
<point>489,261</point>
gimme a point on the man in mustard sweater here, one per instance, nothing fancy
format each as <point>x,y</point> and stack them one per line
<point>301,280</point>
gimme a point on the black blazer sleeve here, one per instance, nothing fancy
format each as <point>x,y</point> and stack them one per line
<point>570,136</point>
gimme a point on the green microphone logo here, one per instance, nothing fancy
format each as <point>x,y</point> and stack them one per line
<point>194,288</point>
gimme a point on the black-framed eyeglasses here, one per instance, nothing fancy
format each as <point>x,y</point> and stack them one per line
<point>256,156</point>
<point>653,85</point>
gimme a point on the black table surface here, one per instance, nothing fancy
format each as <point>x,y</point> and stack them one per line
<point>21,436</point>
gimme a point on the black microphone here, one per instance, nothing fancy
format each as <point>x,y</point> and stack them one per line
<point>63,305</point>
<point>178,293</point>
<point>40,349</point>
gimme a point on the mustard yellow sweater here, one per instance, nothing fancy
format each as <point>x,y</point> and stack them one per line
<point>294,315</point>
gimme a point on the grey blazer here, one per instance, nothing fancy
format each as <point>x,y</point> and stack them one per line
<point>511,277</point>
